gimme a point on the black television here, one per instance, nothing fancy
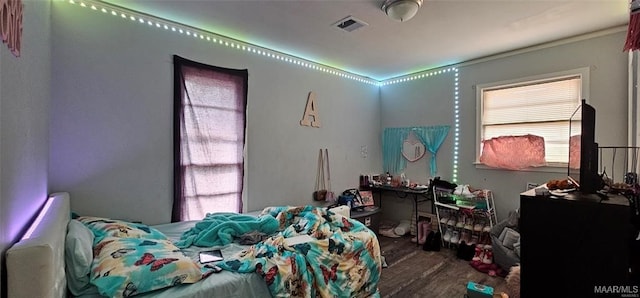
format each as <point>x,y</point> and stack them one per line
<point>583,161</point>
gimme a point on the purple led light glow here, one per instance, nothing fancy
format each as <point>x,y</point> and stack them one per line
<point>36,222</point>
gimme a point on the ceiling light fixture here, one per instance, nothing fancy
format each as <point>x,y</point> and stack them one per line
<point>401,10</point>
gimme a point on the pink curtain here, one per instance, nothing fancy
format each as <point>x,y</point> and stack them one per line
<point>210,140</point>
<point>574,151</point>
<point>513,152</point>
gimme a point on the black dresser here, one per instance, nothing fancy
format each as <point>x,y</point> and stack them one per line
<point>576,246</point>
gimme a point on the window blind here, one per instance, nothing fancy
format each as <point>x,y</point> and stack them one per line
<point>541,108</point>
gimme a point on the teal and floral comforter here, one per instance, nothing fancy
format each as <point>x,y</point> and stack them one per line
<point>342,260</point>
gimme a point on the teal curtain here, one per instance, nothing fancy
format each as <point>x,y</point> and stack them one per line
<point>392,159</point>
<point>431,136</point>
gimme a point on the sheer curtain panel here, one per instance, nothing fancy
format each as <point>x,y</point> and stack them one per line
<point>209,137</point>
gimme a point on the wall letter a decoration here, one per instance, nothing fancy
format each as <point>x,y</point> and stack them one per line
<point>310,111</point>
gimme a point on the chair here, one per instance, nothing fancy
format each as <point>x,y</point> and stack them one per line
<point>506,250</point>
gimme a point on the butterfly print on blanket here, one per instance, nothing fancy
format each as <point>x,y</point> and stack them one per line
<point>121,252</point>
<point>294,268</point>
<point>337,247</point>
<point>145,229</point>
<point>147,242</point>
<point>270,276</point>
<point>329,274</point>
<point>156,264</point>
<point>346,225</point>
<point>98,248</point>
<point>179,279</point>
<point>130,290</point>
<point>100,221</point>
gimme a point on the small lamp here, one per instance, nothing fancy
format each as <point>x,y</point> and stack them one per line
<point>401,10</point>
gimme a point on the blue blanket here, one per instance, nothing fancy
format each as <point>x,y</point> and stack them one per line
<point>343,258</point>
<point>218,229</point>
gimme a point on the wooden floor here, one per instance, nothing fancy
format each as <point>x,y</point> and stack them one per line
<point>413,272</point>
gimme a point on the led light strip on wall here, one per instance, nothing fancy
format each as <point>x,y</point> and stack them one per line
<point>213,38</point>
<point>417,76</point>
<point>456,126</point>
<point>219,40</point>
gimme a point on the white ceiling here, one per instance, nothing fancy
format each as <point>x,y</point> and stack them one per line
<point>444,32</point>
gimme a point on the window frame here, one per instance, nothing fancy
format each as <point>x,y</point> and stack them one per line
<point>555,167</point>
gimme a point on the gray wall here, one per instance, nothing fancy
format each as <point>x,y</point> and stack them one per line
<point>111,116</point>
<point>109,140</point>
<point>427,101</point>
<point>111,126</point>
<point>430,102</point>
<point>607,93</point>
<point>24,107</point>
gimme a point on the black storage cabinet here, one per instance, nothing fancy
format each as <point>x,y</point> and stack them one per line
<point>574,246</point>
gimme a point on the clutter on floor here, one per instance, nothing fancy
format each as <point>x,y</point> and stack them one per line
<point>475,290</point>
<point>513,282</point>
<point>387,229</point>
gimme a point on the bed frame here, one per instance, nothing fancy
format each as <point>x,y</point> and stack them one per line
<point>35,264</point>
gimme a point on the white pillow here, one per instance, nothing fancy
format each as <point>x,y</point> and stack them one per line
<point>510,238</point>
<point>78,256</point>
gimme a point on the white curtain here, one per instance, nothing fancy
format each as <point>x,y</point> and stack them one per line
<point>210,139</point>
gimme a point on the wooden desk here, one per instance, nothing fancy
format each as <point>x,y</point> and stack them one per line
<point>418,195</point>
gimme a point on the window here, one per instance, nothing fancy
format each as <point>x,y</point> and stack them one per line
<point>209,130</point>
<point>539,106</point>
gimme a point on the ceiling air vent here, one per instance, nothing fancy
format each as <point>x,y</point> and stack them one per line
<point>350,24</point>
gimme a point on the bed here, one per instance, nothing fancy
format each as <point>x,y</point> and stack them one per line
<point>340,257</point>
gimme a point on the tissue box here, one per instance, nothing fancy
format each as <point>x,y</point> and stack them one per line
<point>475,290</point>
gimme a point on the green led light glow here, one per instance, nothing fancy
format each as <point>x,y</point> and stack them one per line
<point>456,126</point>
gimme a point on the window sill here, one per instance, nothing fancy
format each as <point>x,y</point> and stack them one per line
<point>551,168</point>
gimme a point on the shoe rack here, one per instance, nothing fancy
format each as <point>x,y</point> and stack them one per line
<point>465,218</point>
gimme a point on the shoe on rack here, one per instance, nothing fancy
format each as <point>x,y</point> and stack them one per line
<point>479,254</point>
<point>487,258</point>
<point>478,226</point>
<point>447,235</point>
<point>474,239</point>
<point>487,228</point>
<point>445,218</point>
<point>466,237</point>
<point>452,221</point>
<point>487,242</point>
<point>468,225</point>
<point>455,237</point>
<point>460,223</point>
